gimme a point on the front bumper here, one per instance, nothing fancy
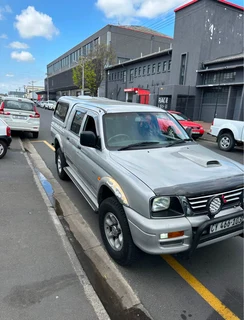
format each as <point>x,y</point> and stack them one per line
<point>146,232</point>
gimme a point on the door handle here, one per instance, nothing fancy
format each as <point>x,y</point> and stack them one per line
<point>78,147</point>
<point>67,138</point>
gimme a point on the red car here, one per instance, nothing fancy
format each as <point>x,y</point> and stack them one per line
<point>197,129</point>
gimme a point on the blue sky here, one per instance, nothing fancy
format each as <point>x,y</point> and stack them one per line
<point>34,32</point>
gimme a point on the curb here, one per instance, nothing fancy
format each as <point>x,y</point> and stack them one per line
<point>117,296</point>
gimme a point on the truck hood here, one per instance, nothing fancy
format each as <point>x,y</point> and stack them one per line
<point>178,165</point>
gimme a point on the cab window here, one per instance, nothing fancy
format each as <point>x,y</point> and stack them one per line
<point>90,125</point>
<point>61,111</point>
<point>76,122</point>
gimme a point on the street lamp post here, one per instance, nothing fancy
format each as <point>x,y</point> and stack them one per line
<point>83,76</point>
<point>47,87</point>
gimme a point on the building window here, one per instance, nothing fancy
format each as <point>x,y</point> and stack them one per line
<point>169,65</point>
<point>219,77</point>
<point>144,70</point>
<point>135,73</point>
<point>182,69</point>
<point>159,67</point>
<point>124,76</point>
<point>121,75</point>
<point>148,69</point>
<point>117,75</point>
<point>164,66</point>
<point>131,74</point>
<point>139,71</point>
<point>153,68</point>
<point>112,76</point>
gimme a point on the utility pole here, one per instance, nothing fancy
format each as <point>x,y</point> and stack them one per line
<point>47,87</point>
<point>83,77</point>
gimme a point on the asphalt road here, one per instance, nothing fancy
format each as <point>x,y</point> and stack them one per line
<point>163,291</point>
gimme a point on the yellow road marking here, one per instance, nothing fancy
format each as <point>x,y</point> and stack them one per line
<point>47,143</point>
<point>209,297</point>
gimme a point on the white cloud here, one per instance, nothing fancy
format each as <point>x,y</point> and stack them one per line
<point>24,56</point>
<point>3,36</point>
<point>9,75</point>
<point>31,23</point>
<point>18,45</point>
<point>3,10</point>
<point>134,9</point>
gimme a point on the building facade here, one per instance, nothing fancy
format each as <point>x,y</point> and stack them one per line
<point>31,91</point>
<point>127,42</point>
<point>201,76</point>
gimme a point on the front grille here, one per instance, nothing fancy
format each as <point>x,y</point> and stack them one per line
<point>230,199</point>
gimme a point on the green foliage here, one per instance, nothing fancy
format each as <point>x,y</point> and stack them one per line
<point>94,64</point>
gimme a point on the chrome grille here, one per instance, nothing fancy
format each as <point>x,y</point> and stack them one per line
<point>231,199</point>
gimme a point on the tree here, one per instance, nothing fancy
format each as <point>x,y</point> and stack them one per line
<point>94,64</point>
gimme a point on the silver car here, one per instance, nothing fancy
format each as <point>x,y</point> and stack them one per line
<point>158,192</point>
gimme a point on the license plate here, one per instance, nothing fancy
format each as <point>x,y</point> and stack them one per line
<point>196,132</point>
<point>225,224</point>
<point>20,117</point>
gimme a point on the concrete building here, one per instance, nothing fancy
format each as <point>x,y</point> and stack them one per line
<point>128,42</point>
<point>31,91</point>
<point>202,76</point>
<point>18,94</point>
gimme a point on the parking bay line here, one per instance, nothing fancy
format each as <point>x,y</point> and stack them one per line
<point>47,143</point>
<point>208,296</point>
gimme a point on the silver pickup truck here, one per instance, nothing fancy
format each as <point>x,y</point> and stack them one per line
<point>162,193</point>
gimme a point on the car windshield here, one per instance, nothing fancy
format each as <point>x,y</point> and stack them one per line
<point>135,130</point>
<point>19,105</point>
<point>179,116</point>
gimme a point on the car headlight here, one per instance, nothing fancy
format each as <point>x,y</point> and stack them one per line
<point>166,207</point>
<point>160,203</point>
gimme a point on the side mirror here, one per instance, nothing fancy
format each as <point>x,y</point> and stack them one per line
<point>188,131</point>
<point>88,139</point>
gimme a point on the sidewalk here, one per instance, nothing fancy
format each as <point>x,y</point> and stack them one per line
<point>38,280</point>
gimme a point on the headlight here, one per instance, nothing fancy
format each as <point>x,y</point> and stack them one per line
<point>160,203</point>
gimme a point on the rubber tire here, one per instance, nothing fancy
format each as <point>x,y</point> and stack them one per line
<point>5,147</point>
<point>62,175</point>
<point>35,135</point>
<point>232,141</point>
<point>129,253</point>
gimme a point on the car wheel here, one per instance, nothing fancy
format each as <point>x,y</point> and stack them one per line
<point>3,149</point>
<point>35,135</point>
<point>226,141</point>
<point>60,164</point>
<point>115,232</point>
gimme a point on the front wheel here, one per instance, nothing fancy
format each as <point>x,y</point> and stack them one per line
<point>115,232</point>
<point>60,164</point>
<point>3,149</point>
<point>226,141</point>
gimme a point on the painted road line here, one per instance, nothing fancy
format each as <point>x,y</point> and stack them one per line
<point>208,296</point>
<point>47,143</point>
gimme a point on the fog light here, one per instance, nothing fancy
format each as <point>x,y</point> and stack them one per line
<point>163,236</point>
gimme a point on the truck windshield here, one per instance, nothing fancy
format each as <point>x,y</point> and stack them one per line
<point>133,130</point>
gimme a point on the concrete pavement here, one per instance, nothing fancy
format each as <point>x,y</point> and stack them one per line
<point>40,276</point>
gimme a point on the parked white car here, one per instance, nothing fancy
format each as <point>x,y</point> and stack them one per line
<point>228,133</point>
<point>5,138</point>
<point>20,115</point>
<point>50,104</point>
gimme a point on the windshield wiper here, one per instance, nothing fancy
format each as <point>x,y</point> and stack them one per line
<point>139,144</point>
<point>177,142</point>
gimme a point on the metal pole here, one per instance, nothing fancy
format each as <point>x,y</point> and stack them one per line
<point>83,77</point>
<point>32,88</point>
<point>47,88</point>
